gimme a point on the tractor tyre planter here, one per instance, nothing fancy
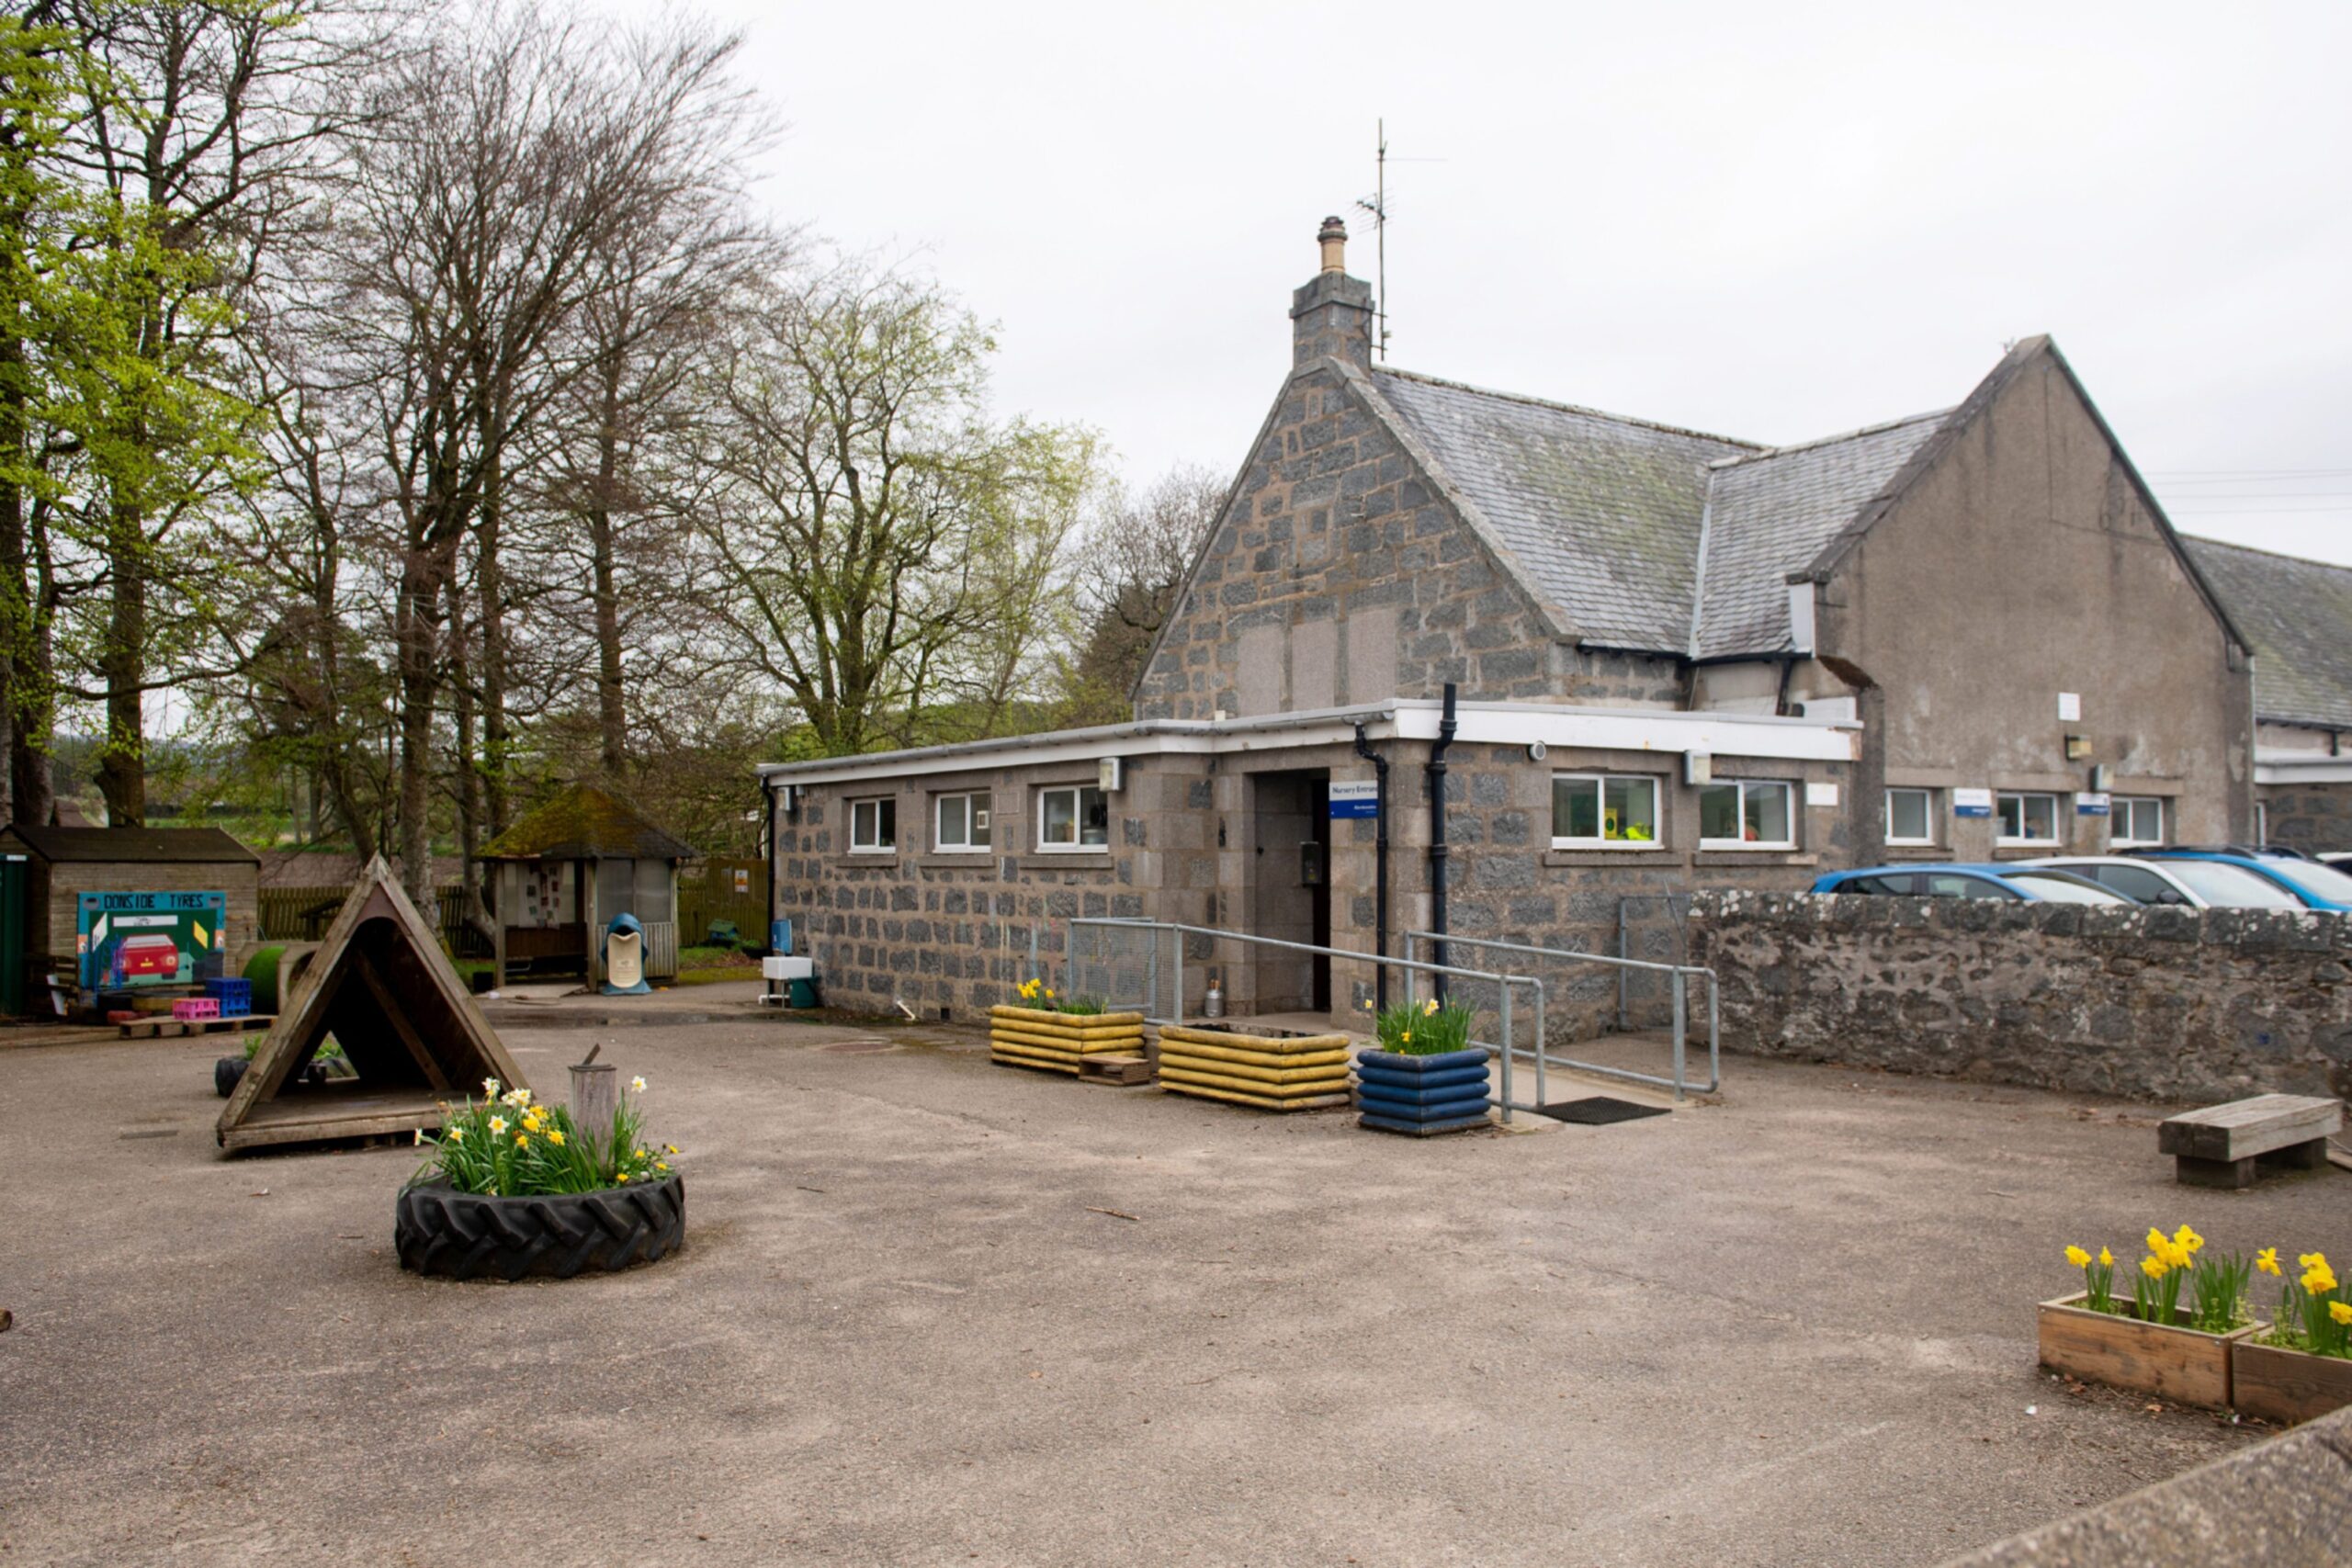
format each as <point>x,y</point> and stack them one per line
<point>437,1230</point>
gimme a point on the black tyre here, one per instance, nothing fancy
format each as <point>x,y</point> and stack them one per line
<point>467,1236</point>
<point>226,1071</point>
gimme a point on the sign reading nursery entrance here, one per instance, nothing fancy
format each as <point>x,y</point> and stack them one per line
<point>383,988</point>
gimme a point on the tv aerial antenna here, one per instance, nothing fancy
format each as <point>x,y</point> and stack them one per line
<point>1376,206</point>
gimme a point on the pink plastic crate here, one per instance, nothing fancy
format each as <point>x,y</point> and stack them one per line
<point>193,1008</point>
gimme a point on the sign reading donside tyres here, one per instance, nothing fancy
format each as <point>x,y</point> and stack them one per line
<point>150,939</point>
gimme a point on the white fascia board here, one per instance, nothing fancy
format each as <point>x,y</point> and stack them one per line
<point>1669,731</point>
<point>2272,767</point>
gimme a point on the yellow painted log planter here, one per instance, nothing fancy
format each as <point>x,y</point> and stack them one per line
<point>1056,1042</point>
<point>1273,1074</point>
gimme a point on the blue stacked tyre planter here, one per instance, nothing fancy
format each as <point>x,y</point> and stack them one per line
<point>1422,1095</point>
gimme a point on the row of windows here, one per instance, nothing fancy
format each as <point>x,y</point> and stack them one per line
<point>1070,817</point>
<point>1601,810</point>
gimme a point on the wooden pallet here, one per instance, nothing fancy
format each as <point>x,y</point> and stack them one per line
<point>1119,1071</point>
<point>161,1027</point>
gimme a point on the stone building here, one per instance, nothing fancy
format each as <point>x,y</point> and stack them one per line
<point>2298,615</point>
<point>1683,660</point>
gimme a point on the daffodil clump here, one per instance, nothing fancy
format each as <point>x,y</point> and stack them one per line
<point>1421,1029</point>
<point>1036,993</point>
<point>2315,1308</point>
<point>2216,1282</point>
<point>508,1145</point>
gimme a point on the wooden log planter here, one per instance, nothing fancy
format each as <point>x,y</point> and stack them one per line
<point>2172,1361</point>
<point>1057,1042</point>
<point>1308,1072</point>
<point>2286,1386</point>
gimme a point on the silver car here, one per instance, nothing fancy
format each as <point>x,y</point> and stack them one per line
<point>2195,884</point>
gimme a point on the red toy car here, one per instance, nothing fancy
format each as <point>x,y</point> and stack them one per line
<point>140,956</point>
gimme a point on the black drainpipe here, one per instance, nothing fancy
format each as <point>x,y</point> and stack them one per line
<point>1437,836</point>
<point>1380,869</point>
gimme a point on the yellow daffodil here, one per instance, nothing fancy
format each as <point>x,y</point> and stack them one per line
<point>1429,1008</point>
<point>489,1089</point>
<point>661,1165</point>
<point>640,1153</point>
<point>1408,1038</point>
<point>555,1136</point>
<point>622,1176</point>
<point>2319,1278</point>
<point>522,1140</point>
<point>2267,1260</point>
<point>531,1123</point>
<point>671,1147</point>
<point>2340,1311</point>
<point>1049,994</point>
<point>498,1126</point>
<point>2154,1268</point>
<point>2188,1240</point>
<point>2311,1259</point>
<point>2106,1258</point>
<point>456,1134</point>
<point>2157,1241</point>
<point>2078,1258</point>
<point>637,1086</point>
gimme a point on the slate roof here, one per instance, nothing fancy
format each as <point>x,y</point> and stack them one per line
<point>1601,513</point>
<point>153,846</point>
<point>585,823</point>
<point>2297,614</point>
<point>1770,515</point>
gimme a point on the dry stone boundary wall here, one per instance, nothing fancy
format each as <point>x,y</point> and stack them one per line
<point>2156,1004</point>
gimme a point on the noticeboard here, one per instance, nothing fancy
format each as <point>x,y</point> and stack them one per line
<point>127,939</point>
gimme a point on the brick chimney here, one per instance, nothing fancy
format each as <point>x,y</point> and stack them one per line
<point>1333,315</point>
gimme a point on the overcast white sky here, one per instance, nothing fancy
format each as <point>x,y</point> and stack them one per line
<point>1771,221</point>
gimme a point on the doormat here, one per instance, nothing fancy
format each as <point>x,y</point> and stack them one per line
<point>1600,1110</point>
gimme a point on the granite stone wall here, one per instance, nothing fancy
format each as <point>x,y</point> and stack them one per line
<point>2313,817</point>
<point>2155,1004</point>
<point>1340,575</point>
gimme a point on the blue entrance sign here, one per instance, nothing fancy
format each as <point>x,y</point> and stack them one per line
<point>1355,797</point>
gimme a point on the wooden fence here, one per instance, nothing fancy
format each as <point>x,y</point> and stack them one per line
<point>303,914</point>
<point>720,889</point>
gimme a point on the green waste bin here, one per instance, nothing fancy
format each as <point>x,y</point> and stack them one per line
<point>12,935</point>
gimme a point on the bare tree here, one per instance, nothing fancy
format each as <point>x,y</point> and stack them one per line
<point>1137,551</point>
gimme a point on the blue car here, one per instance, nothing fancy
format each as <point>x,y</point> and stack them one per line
<point>2028,883</point>
<point>2316,887</point>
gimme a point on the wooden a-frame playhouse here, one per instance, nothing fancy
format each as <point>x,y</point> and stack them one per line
<point>381,986</point>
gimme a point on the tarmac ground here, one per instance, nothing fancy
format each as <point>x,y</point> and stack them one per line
<point>933,1312</point>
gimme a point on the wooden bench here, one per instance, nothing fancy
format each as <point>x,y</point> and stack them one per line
<point>2223,1145</point>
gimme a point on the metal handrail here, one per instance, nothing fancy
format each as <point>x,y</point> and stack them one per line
<point>1681,974</point>
<point>1504,982</point>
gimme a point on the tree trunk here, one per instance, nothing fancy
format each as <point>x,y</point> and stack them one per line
<point>419,685</point>
<point>496,737</point>
<point>123,760</point>
<point>612,713</point>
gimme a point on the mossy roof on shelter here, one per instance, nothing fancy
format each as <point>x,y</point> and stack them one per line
<point>585,822</point>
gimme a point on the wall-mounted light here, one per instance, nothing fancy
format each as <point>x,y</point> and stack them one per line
<point>2078,746</point>
<point>1109,776</point>
<point>1537,750</point>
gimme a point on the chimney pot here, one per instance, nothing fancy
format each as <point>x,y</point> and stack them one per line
<point>1333,236</point>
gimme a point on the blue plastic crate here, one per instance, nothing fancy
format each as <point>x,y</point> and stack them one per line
<point>235,996</point>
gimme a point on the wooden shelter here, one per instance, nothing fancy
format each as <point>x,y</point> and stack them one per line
<point>567,868</point>
<point>64,864</point>
<point>381,986</point>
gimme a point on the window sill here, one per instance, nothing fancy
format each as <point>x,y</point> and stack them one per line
<point>1753,857</point>
<point>873,858</point>
<point>956,860</point>
<point>1610,857</point>
<point>2040,849</point>
<point>1906,852</point>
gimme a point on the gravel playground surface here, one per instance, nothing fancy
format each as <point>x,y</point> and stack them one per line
<point>932,1311</point>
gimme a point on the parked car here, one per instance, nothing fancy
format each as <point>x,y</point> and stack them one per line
<point>2340,858</point>
<point>2021,881</point>
<point>2196,884</point>
<point>2317,886</point>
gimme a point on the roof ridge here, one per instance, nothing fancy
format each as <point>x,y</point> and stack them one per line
<point>1878,429</point>
<point>1559,406</point>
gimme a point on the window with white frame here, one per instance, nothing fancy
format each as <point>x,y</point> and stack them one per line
<point>1593,810</point>
<point>874,826</point>
<point>2022,818</point>
<point>2136,819</point>
<point>960,823</point>
<point>1910,817</point>
<point>1743,814</point>
<point>1073,817</point>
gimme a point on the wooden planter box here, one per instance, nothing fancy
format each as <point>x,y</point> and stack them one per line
<point>1058,1042</point>
<point>1266,1072</point>
<point>2287,1386</point>
<point>2176,1362</point>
